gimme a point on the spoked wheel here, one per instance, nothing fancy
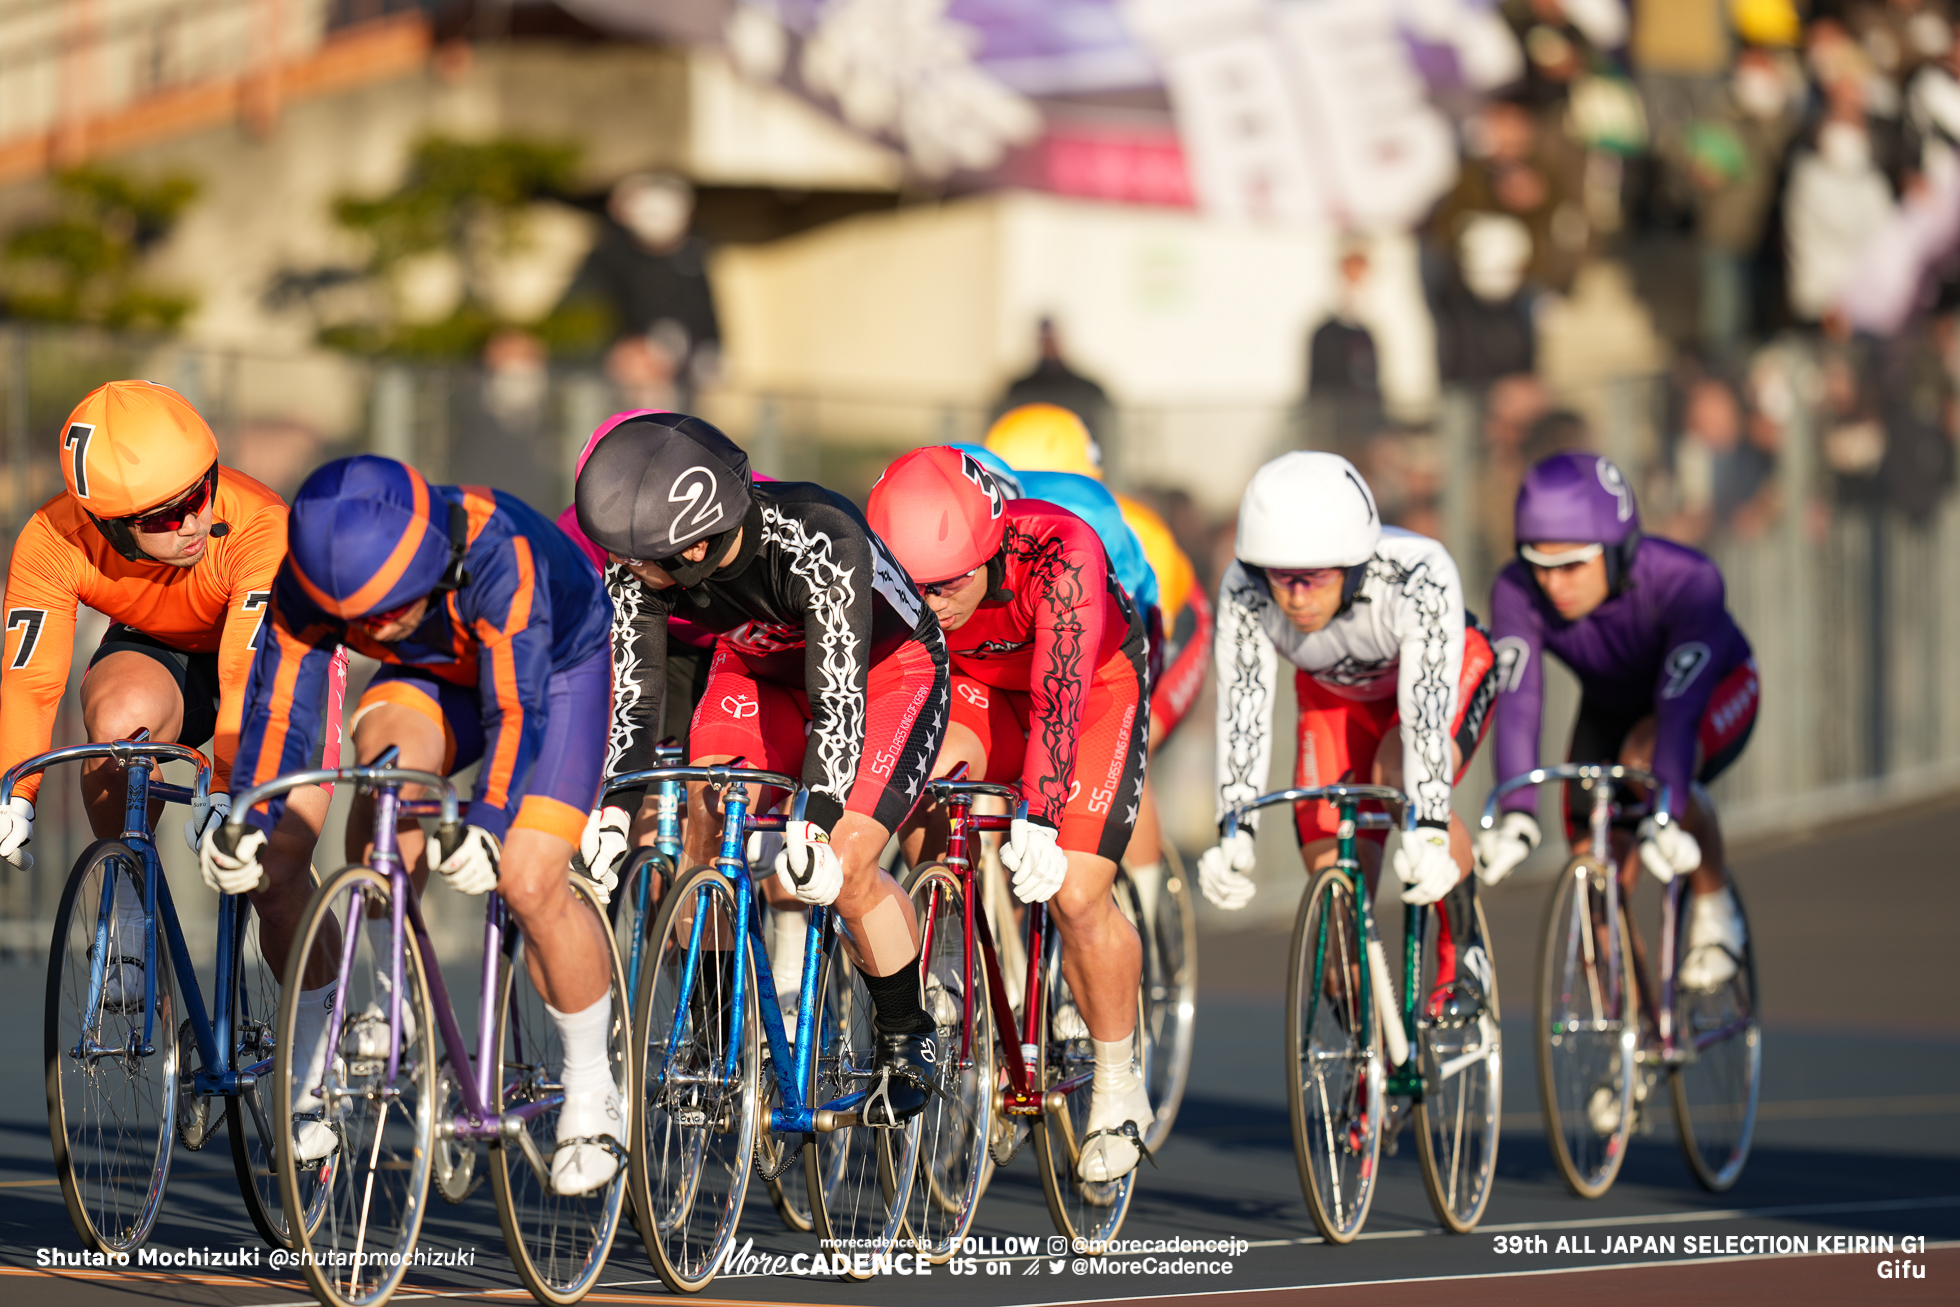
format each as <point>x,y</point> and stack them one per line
<point>112,1100</point>
<point>558,1242</point>
<point>1092,1211</point>
<point>1168,925</point>
<point>860,1177</point>
<point>250,1114</point>
<point>374,1171</point>
<point>635,904</point>
<point>953,1158</point>
<point>1334,1074</point>
<point>1719,1030</point>
<point>700,1113</point>
<point>1462,1063</point>
<point>1587,1030</point>
<point>778,1157</point>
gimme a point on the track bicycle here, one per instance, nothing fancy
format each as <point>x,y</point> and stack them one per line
<point>1353,1049</point>
<point>700,1025</point>
<point>1605,1032</point>
<point>405,1120</point>
<point>1044,1078</point>
<point>126,1078</point>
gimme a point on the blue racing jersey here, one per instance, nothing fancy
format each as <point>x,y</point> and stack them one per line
<point>1090,500</point>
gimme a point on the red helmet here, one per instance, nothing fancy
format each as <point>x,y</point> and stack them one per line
<point>940,511</point>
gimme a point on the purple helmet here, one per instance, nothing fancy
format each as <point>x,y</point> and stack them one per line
<point>1576,497</point>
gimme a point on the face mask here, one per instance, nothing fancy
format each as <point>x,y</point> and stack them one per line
<point>656,215</point>
<point>1760,93</point>
<point>1845,147</point>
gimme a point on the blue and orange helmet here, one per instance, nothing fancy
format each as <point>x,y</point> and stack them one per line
<point>367,534</point>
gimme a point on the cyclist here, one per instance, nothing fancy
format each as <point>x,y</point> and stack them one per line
<point>491,631</point>
<point>179,553</point>
<point>1667,679</point>
<point>1048,681</point>
<point>826,663</point>
<point>1394,684</point>
<point>1052,439</point>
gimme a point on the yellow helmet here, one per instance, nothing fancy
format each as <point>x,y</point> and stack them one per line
<point>1766,22</point>
<point>1045,438</point>
<point>1175,575</point>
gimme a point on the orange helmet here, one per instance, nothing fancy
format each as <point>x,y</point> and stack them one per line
<point>1045,438</point>
<point>130,446</point>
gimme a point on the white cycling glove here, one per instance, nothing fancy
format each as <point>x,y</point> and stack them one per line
<point>1422,862</point>
<point>808,867</point>
<point>237,872</point>
<point>1501,848</point>
<point>470,867</point>
<point>1222,872</point>
<point>1668,851</point>
<point>604,846</point>
<point>16,830</point>
<point>1038,863</point>
<point>195,825</point>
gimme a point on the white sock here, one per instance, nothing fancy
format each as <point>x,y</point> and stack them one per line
<point>1115,1071</point>
<point>788,932</point>
<point>587,1071</point>
<point>310,1037</point>
<point>380,933</point>
<point>1149,880</point>
<point>129,909</point>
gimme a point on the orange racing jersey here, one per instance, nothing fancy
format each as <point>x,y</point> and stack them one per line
<point>62,560</point>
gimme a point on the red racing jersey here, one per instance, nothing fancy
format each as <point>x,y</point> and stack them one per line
<point>1062,617</point>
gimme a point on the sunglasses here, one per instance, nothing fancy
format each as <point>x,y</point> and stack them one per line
<point>391,615</point>
<point>1298,578</point>
<point>171,516</point>
<point>939,588</point>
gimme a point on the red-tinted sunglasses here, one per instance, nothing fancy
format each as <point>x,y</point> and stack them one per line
<point>394,614</point>
<point>171,515</point>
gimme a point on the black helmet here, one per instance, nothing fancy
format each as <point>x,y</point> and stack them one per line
<point>656,484</point>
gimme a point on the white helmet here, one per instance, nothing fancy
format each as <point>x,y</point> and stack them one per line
<point>1308,509</point>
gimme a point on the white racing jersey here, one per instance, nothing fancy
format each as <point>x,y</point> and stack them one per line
<point>1402,636</point>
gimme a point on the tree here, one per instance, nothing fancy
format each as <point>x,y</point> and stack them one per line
<point>85,264</point>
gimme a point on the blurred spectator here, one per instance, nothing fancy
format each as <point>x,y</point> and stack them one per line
<point>1344,397</point>
<point>1718,475</point>
<point>1515,406</point>
<point>651,276</point>
<point>1532,175</point>
<point>1838,196</point>
<point>1053,381</point>
<point>1482,306</point>
<point>502,437</point>
<point>1732,160</point>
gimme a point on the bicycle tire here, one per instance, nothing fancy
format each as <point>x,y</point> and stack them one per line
<point>859,1177</point>
<point>1460,1115</point>
<point>697,1130</point>
<point>249,1113</point>
<point>953,1157</point>
<point>1335,1080</point>
<point>558,1242</point>
<point>112,1121</point>
<point>1170,993</point>
<point>379,1176</point>
<point>1090,1211</point>
<point>1717,1124</point>
<point>1586,1040</point>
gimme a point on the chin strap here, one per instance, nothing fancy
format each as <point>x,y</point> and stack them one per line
<point>996,574</point>
<point>689,576</point>
<point>456,576</point>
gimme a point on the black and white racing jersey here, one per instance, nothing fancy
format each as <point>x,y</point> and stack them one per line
<point>1402,636</point>
<point>812,599</point>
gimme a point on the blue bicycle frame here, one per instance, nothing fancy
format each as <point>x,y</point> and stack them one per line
<point>139,755</point>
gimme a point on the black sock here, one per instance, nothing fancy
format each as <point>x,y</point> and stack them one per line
<point>895,1006</point>
<point>1459,909</point>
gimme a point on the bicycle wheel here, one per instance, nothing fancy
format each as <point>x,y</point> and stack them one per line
<point>1092,1211</point>
<point>112,1105</point>
<point>953,1159</point>
<point>1587,1030</point>
<point>377,1176</point>
<point>700,1112</point>
<point>1457,1120</point>
<point>558,1242</point>
<point>250,1113</point>
<point>860,1177</point>
<point>1335,1079</point>
<point>647,870</point>
<point>1720,1032</point>
<point>1170,990</point>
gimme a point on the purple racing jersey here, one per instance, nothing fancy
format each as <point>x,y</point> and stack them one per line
<point>1661,644</point>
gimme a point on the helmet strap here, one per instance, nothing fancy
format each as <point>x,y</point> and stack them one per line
<point>1351,586</point>
<point>1619,563</point>
<point>456,576</point>
<point>689,576</point>
<point>996,574</point>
